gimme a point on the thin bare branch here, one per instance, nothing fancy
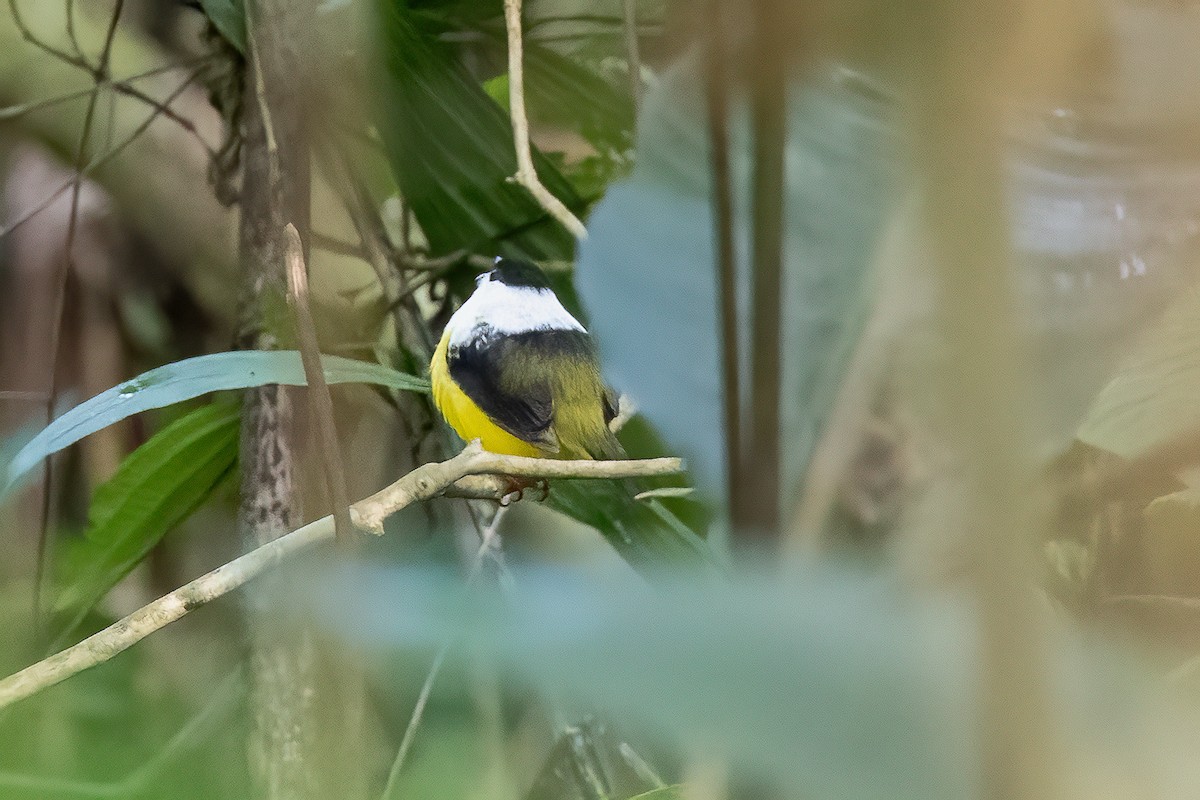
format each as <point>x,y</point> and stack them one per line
<point>526,174</point>
<point>331,244</point>
<point>125,84</point>
<point>755,502</point>
<point>60,296</point>
<point>318,389</point>
<point>29,36</point>
<point>72,35</point>
<point>124,88</point>
<point>414,722</point>
<point>99,161</point>
<point>423,483</point>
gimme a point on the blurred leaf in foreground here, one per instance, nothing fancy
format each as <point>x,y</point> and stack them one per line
<point>647,275</point>
<point>828,684</point>
<point>834,683</point>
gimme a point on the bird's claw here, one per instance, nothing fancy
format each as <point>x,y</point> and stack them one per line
<point>543,486</point>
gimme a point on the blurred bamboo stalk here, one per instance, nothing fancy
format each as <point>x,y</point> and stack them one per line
<point>959,50</point>
<point>756,495</point>
<point>717,107</point>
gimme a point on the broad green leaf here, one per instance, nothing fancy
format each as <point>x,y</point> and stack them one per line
<point>157,486</point>
<point>826,684</point>
<point>451,147</point>
<point>644,533</point>
<point>647,278</point>
<point>563,92</point>
<point>1155,394</point>
<point>188,379</point>
<point>229,17</point>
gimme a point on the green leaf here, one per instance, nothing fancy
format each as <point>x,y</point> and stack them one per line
<point>157,486</point>
<point>644,533</point>
<point>229,17</point>
<point>568,94</point>
<point>451,149</point>
<point>1153,396</point>
<point>188,379</point>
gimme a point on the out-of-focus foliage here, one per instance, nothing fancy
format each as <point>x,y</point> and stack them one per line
<point>654,232</point>
<point>229,17</point>
<point>825,683</point>
<point>828,682</point>
<point>1152,398</point>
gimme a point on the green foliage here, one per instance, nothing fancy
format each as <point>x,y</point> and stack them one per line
<point>451,147</point>
<point>157,486</point>
<point>568,95</point>
<point>645,533</point>
<point>189,379</point>
<point>229,17</point>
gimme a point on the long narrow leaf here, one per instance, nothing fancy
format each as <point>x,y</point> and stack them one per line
<point>157,486</point>
<point>191,378</point>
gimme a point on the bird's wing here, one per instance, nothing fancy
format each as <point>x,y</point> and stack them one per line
<point>507,376</point>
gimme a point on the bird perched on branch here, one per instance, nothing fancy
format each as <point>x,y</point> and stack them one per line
<point>515,370</point>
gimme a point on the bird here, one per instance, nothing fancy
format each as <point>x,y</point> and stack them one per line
<point>515,370</point>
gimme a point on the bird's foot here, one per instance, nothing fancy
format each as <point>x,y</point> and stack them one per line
<point>515,490</point>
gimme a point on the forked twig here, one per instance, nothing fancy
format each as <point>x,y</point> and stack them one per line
<point>60,294</point>
<point>526,174</point>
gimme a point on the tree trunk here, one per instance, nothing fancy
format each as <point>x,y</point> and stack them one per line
<point>275,191</point>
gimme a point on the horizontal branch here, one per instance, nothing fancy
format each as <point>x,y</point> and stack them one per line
<point>471,473</point>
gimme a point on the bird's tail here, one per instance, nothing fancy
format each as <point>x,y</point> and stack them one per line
<point>650,534</point>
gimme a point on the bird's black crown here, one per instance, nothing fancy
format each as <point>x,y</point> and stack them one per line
<point>511,272</point>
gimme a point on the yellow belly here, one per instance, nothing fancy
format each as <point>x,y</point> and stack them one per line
<point>467,419</point>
